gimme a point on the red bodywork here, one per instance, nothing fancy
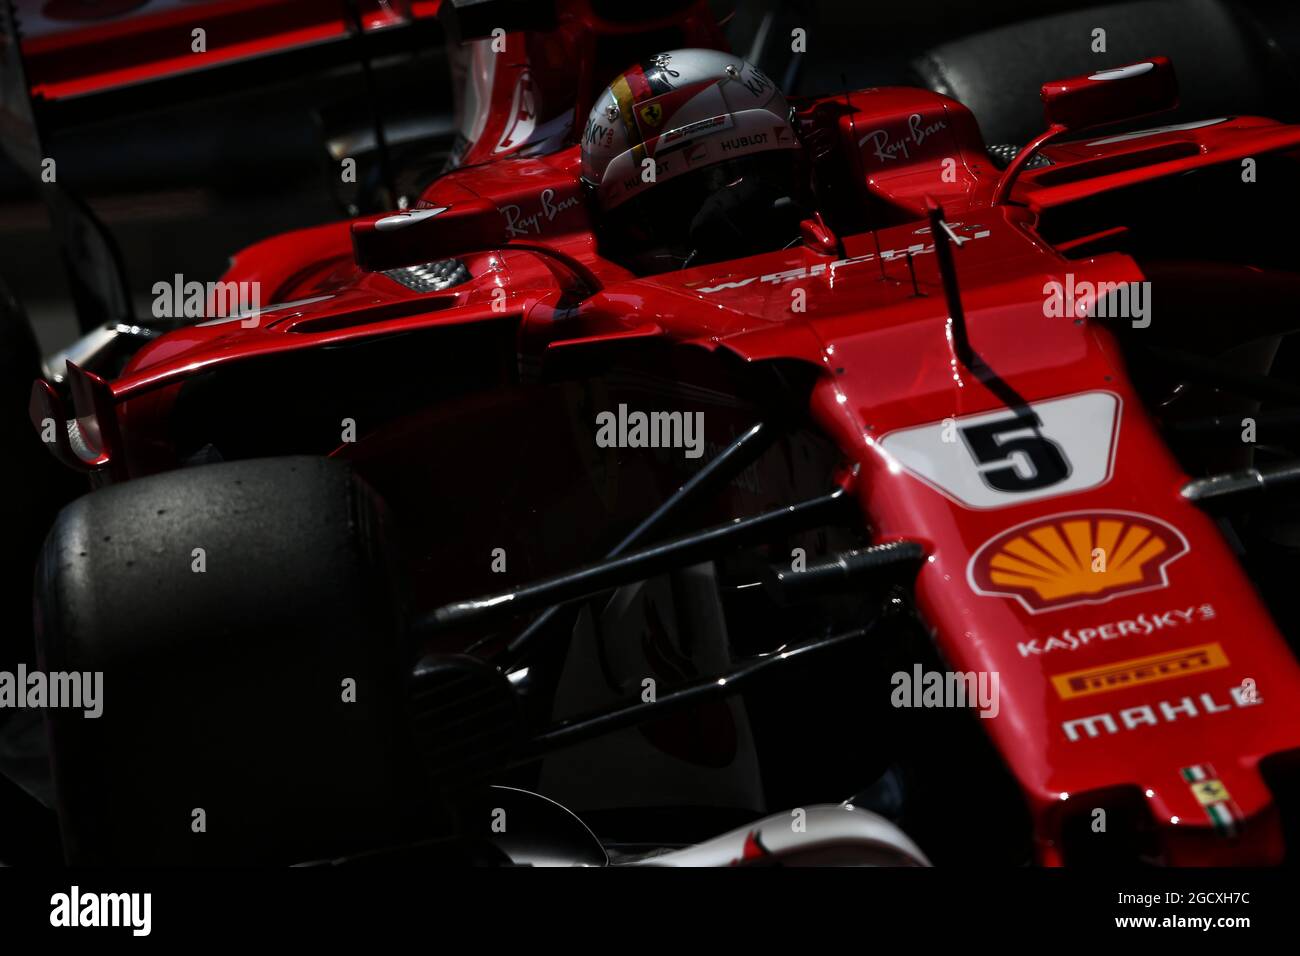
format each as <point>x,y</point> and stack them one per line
<point>884,354</point>
<point>73,48</point>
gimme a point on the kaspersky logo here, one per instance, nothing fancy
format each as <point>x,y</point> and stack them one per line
<point>1081,557</point>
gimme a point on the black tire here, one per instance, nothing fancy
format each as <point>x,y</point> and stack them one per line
<point>222,689</point>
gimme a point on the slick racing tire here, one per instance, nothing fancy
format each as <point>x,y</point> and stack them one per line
<point>247,628</point>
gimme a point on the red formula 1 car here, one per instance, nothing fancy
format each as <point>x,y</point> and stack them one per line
<point>687,455</point>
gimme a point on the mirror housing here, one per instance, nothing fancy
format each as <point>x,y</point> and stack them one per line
<point>415,236</point>
<point>1096,99</point>
<point>1110,96</point>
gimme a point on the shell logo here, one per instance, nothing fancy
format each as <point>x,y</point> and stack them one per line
<point>1081,557</point>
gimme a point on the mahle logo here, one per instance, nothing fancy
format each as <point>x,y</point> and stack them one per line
<point>1076,558</point>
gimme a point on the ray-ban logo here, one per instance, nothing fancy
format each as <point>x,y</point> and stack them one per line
<point>887,145</point>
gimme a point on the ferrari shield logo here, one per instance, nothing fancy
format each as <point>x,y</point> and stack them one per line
<point>652,114</point>
<point>1210,793</point>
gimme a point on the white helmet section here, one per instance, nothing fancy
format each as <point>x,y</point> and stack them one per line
<point>685,110</point>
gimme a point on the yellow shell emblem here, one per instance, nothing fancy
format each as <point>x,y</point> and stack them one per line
<point>1077,558</point>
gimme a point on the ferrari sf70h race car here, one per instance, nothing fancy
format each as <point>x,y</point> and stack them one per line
<point>688,460</point>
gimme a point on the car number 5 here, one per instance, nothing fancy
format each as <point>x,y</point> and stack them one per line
<point>1014,455</point>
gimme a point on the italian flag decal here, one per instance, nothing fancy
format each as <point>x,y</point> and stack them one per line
<point>1213,796</point>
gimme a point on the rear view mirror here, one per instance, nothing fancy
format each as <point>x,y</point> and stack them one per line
<point>1096,99</point>
<point>1109,96</point>
<point>413,236</point>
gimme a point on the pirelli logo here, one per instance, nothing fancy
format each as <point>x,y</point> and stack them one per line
<point>1140,670</point>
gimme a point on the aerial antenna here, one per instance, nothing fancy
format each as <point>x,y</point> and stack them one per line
<point>880,258</point>
<point>944,240</point>
<point>942,232</point>
<point>911,270</point>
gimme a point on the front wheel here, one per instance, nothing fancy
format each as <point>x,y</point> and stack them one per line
<point>247,626</point>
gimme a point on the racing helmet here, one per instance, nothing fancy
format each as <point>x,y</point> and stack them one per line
<point>685,156</point>
<point>686,110</point>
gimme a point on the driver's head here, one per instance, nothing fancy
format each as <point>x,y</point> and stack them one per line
<point>687,153</point>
